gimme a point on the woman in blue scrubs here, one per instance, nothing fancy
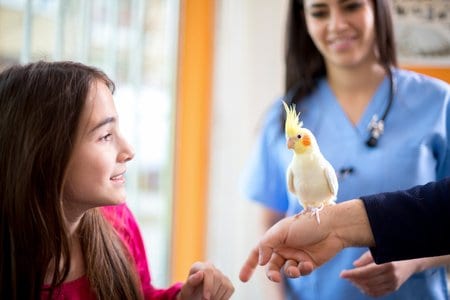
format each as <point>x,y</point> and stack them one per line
<point>341,72</point>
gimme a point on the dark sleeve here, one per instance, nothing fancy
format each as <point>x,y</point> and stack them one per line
<point>412,223</point>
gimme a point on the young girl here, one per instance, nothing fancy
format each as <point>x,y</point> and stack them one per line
<point>65,230</point>
<point>342,76</point>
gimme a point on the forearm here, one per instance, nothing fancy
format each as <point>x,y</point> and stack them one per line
<point>351,224</point>
<point>423,264</point>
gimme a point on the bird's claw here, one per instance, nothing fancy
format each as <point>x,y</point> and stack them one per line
<point>315,211</point>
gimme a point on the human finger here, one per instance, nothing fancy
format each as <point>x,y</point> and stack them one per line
<point>249,265</point>
<point>228,294</point>
<point>364,272</point>
<point>305,267</point>
<point>377,291</point>
<point>209,284</point>
<point>225,290</point>
<point>274,266</point>
<point>291,269</point>
<point>194,280</point>
<point>364,259</point>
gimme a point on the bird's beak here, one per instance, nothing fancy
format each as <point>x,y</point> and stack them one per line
<point>290,143</point>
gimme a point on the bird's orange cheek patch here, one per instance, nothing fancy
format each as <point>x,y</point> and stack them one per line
<point>306,141</point>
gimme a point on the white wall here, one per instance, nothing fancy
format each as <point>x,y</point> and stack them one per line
<point>248,76</point>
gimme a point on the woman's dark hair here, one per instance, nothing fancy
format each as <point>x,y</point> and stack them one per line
<point>304,63</point>
<point>40,108</point>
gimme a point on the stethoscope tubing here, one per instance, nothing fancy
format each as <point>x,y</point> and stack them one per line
<point>376,127</point>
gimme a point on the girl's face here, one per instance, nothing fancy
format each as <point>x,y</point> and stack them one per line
<point>96,171</point>
<point>342,30</point>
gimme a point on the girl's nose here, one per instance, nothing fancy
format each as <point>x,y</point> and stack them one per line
<point>127,152</point>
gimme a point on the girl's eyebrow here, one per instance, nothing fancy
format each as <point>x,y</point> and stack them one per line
<point>102,123</point>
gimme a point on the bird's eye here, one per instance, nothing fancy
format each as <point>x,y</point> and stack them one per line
<point>299,136</point>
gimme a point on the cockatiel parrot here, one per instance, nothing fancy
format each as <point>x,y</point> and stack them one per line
<point>310,177</point>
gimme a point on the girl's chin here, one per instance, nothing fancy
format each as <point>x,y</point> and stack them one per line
<point>114,201</point>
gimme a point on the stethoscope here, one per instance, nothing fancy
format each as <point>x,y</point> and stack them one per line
<point>376,126</point>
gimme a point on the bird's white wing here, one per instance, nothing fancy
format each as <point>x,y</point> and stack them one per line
<point>331,178</point>
<point>290,180</point>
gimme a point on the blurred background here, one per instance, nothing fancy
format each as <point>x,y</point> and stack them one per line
<point>194,79</point>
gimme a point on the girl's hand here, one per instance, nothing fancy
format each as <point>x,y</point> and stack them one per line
<point>206,282</point>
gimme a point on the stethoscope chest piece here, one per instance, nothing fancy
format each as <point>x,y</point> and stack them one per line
<point>376,129</point>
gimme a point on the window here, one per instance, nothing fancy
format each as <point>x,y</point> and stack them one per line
<point>134,42</point>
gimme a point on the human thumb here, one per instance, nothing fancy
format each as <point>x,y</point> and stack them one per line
<point>364,259</point>
<point>194,280</point>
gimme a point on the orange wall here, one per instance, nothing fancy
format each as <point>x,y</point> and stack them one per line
<point>438,72</point>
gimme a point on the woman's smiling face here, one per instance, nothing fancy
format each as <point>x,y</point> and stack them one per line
<point>342,30</point>
<point>96,172</point>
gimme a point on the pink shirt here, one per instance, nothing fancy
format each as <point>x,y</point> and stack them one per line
<point>124,222</point>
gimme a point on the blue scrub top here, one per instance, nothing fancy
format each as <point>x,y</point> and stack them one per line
<point>414,149</point>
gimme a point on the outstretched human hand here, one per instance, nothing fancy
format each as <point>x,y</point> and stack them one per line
<point>299,244</point>
<point>206,282</point>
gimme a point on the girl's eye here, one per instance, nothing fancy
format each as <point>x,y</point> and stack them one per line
<point>106,137</point>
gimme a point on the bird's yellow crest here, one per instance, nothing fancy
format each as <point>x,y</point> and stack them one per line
<point>292,124</point>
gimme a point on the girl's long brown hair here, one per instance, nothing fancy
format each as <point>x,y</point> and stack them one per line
<point>40,108</point>
<point>304,63</point>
